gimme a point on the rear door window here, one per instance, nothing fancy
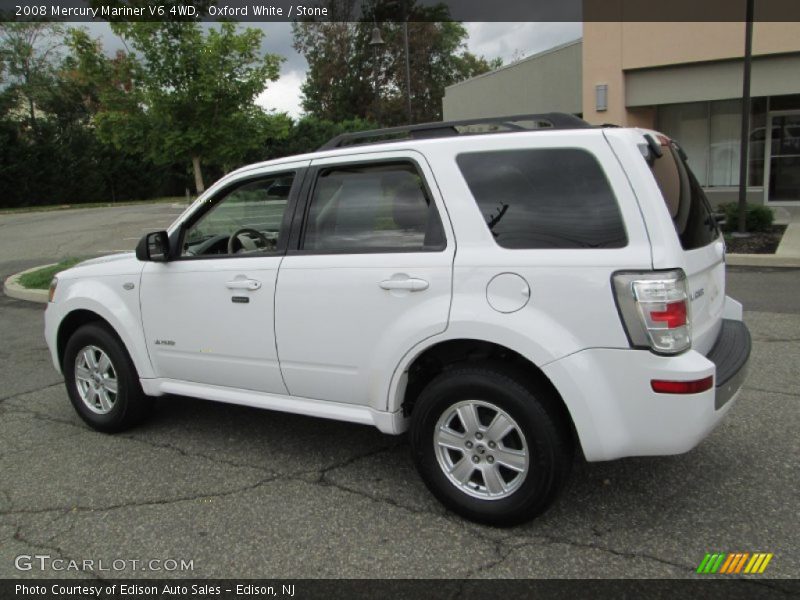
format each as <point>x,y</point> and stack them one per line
<point>554,198</point>
<point>383,207</point>
<point>687,203</point>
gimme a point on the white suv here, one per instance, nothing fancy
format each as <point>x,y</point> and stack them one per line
<point>507,294</point>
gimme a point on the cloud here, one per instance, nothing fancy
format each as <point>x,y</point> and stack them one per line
<point>284,95</point>
<point>511,41</point>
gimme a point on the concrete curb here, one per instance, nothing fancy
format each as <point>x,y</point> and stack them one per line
<point>13,289</point>
<point>761,260</point>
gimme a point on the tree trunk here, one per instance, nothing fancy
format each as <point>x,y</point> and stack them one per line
<point>198,175</point>
<point>32,110</point>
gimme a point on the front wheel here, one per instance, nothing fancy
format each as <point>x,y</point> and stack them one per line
<point>102,382</point>
<point>489,445</point>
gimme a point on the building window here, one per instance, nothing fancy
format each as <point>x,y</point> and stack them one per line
<point>710,133</point>
<point>601,97</point>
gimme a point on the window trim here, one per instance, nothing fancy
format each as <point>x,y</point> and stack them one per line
<point>586,150</point>
<point>300,221</point>
<point>284,232</point>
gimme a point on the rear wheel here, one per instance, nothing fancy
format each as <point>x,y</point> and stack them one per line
<point>102,382</point>
<point>490,445</point>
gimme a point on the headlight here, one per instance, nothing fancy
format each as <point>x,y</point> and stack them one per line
<point>53,285</point>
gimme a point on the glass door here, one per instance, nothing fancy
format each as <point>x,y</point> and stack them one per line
<point>783,160</point>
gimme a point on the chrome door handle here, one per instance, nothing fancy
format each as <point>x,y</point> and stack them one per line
<point>411,284</point>
<point>243,284</point>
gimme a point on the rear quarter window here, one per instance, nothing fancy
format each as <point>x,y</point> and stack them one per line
<point>687,203</point>
<point>555,198</point>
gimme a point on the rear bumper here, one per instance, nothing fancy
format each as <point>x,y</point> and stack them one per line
<point>616,413</point>
<point>730,355</point>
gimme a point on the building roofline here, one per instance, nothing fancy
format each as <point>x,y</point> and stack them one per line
<point>519,62</point>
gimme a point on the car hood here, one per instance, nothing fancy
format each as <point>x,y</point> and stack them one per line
<point>124,263</point>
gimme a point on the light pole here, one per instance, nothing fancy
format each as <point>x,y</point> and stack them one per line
<point>741,228</point>
<point>376,42</point>
<point>408,69</point>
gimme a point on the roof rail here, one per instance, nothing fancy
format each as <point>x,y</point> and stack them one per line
<point>552,120</point>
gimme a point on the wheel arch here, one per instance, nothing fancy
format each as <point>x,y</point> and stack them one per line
<point>77,318</point>
<point>435,358</point>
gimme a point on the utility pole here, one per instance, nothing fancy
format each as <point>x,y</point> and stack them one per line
<point>408,69</point>
<point>743,152</point>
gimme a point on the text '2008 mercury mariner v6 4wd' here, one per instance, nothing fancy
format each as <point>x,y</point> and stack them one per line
<point>507,290</point>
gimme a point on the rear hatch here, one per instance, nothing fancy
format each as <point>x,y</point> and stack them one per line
<point>699,236</point>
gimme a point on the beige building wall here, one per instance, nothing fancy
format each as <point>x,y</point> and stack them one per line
<point>680,62</point>
<point>546,82</point>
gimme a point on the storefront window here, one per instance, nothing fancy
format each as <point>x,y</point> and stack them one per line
<point>688,125</point>
<point>725,128</point>
<point>710,133</point>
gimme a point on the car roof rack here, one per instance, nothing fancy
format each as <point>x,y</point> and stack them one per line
<point>553,120</point>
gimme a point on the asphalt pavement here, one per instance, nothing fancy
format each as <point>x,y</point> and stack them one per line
<point>241,492</point>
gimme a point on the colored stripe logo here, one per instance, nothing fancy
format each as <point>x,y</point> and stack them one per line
<point>732,563</point>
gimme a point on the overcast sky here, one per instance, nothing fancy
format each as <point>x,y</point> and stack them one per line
<point>508,41</point>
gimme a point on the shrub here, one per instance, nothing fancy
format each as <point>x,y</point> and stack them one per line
<point>758,217</point>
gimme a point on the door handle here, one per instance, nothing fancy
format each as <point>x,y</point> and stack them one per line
<point>411,284</point>
<point>243,284</point>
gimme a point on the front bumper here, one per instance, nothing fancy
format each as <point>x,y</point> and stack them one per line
<point>616,414</point>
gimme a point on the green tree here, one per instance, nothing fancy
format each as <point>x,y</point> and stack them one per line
<point>29,54</point>
<point>344,69</point>
<point>49,152</point>
<point>181,94</point>
<point>310,132</point>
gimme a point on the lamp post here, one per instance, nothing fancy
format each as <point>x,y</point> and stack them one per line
<point>408,69</point>
<point>741,225</point>
<point>376,42</point>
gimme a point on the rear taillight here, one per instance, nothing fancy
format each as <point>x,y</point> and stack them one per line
<point>654,306</point>
<point>663,386</point>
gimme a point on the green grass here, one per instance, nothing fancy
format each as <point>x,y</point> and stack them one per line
<point>23,209</point>
<point>40,278</point>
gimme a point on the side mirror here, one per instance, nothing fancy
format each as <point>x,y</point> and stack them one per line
<point>153,247</point>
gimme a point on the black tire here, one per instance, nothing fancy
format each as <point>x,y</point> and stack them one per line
<point>548,439</point>
<point>130,405</point>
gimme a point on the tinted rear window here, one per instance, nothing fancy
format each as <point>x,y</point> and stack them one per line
<point>687,203</point>
<point>544,198</point>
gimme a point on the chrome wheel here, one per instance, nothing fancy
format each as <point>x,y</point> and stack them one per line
<point>96,379</point>
<point>481,450</point>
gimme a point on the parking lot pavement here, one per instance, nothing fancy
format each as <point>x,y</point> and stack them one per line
<point>248,493</point>
<point>43,236</point>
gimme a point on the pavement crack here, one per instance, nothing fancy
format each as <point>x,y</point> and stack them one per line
<point>551,539</point>
<point>322,473</point>
<point>767,391</point>
<point>322,478</point>
<point>54,548</point>
<point>213,459</point>
<point>23,393</point>
<point>502,552</point>
<point>142,503</point>
<point>139,440</point>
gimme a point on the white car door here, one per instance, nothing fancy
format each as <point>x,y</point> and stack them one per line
<point>208,313</point>
<point>366,277</point>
